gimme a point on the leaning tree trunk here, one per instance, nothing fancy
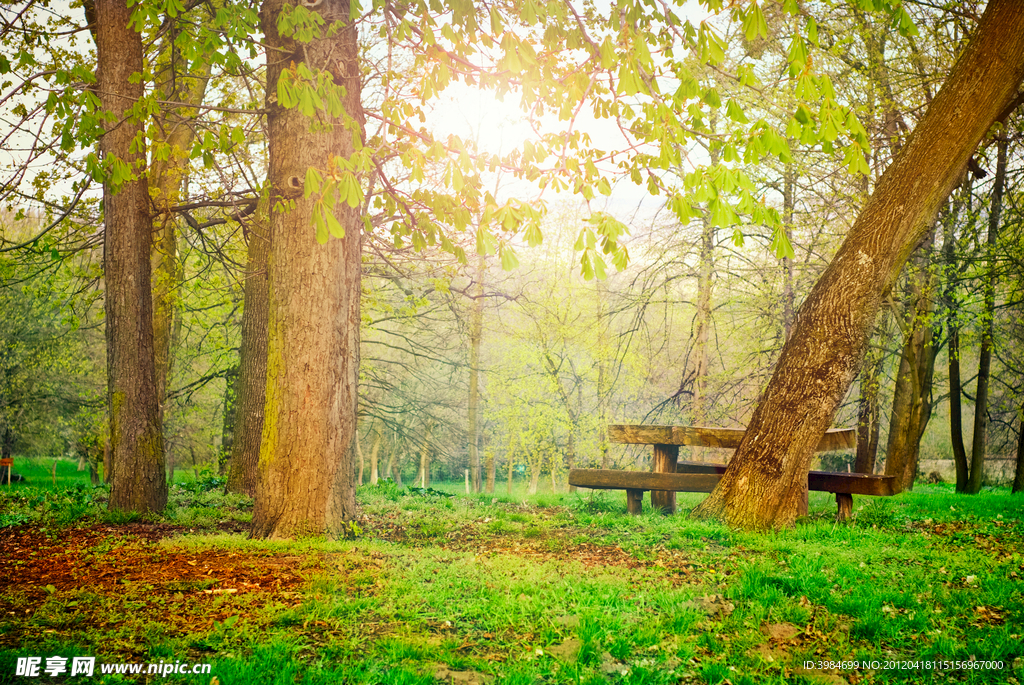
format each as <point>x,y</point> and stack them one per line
<point>763,485</point>
<point>251,380</point>
<point>305,481</point>
<point>979,442</point>
<point>138,481</point>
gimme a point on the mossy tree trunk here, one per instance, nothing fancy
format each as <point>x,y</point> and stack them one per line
<point>138,480</point>
<point>763,485</point>
<point>305,480</point>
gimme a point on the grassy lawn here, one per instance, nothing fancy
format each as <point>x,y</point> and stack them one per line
<point>439,586</point>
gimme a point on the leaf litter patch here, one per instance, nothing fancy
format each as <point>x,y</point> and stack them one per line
<point>114,579</point>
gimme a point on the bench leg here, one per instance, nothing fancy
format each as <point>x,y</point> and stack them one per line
<point>634,501</point>
<point>665,459</point>
<point>845,504</point>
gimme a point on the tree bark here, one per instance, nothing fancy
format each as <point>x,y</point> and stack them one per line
<point>251,382</point>
<point>980,439</point>
<point>762,487</point>
<point>305,478</point>
<point>475,337</point>
<point>138,479</point>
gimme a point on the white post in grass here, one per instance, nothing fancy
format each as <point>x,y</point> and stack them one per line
<point>467,481</point>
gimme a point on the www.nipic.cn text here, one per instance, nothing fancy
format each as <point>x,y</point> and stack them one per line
<point>36,666</point>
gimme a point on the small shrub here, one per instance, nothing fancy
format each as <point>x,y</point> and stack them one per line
<point>206,480</point>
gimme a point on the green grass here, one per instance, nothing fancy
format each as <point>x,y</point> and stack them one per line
<point>566,588</point>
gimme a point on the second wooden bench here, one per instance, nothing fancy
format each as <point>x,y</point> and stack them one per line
<point>670,476</point>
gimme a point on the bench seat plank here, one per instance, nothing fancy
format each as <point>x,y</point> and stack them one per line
<point>704,478</point>
<point>697,436</point>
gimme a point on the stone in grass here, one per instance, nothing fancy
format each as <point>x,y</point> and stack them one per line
<point>612,666</point>
<point>447,675</point>
<point>712,605</point>
<point>570,621</point>
<point>781,631</point>
<point>568,651</point>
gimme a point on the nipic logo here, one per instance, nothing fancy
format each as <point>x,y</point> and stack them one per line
<point>34,667</point>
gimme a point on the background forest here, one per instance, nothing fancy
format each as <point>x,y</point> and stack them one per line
<point>493,367</point>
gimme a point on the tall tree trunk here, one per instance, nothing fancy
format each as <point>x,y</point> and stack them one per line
<point>868,414</point>
<point>788,201</point>
<point>956,426</point>
<point>251,382</point>
<point>359,454</point>
<point>167,176</point>
<point>490,468</point>
<point>763,485</point>
<point>980,440</point>
<point>227,424</point>
<point>602,389</point>
<point>511,464</point>
<point>1018,474</point>
<point>396,466</point>
<point>475,337</point>
<point>305,478</point>
<point>535,471</point>
<point>424,478</point>
<point>698,410</point>
<point>911,406</point>
<point>374,475</point>
<point>956,429</point>
<point>138,482</point>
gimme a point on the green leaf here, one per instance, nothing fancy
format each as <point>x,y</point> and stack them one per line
<point>508,258</point>
<point>781,245</point>
<point>533,235</point>
<point>314,181</point>
<point>485,242</point>
<point>754,23</point>
<point>735,112</point>
<point>322,235</point>
<point>335,227</point>
<point>905,23</point>
<point>798,50</point>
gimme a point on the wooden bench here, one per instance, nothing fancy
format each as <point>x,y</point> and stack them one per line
<point>670,476</point>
